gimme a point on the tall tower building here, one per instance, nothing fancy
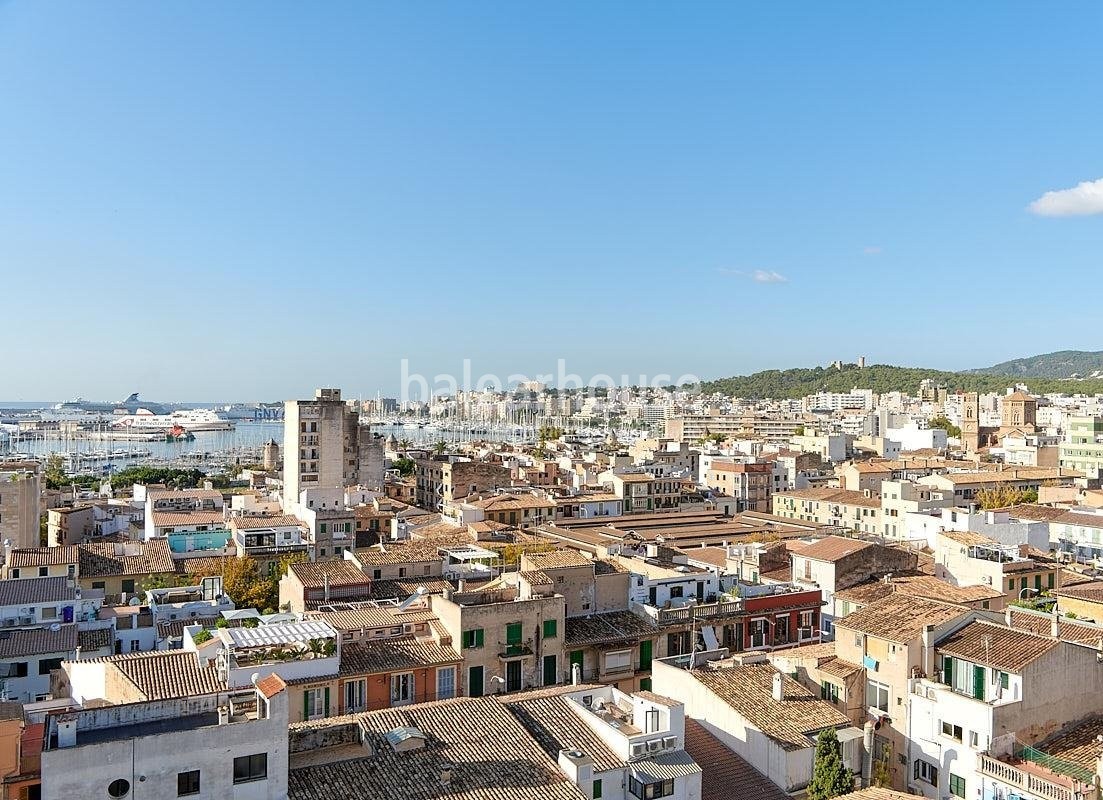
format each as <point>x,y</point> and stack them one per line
<point>20,489</point>
<point>321,443</point>
<point>970,422</point>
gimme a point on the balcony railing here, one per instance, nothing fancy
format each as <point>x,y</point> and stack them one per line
<point>1022,776</point>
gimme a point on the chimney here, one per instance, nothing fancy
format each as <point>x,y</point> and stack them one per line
<point>778,691</point>
<point>1054,624</point>
<point>576,674</point>
<point>326,586</point>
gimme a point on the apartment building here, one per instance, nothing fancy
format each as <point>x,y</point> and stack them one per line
<point>834,563</point>
<point>643,492</point>
<point>991,694</point>
<point>893,640</point>
<point>970,559</point>
<point>839,508</point>
<point>766,718</point>
<point>232,745</point>
<point>326,447</point>
<point>20,487</point>
<point>510,637</point>
<point>749,484</point>
<point>1082,447</point>
<point>444,480</point>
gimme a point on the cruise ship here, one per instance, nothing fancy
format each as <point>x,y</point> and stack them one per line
<point>192,420</point>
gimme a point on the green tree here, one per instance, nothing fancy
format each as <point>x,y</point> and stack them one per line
<point>441,447</point>
<point>830,776</point>
<point>404,444</point>
<point>405,466</point>
<point>942,422</point>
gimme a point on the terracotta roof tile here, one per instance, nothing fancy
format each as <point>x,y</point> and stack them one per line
<point>1007,649</point>
<point>748,690</point>
<point>724,775</point>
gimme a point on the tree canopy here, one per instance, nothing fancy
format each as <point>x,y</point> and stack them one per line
<point>830,775</point>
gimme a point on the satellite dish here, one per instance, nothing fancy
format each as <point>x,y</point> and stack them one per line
<point>55,627</point>
<point>134,601</point>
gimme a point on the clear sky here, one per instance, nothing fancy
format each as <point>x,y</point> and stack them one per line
<point>205,201</point>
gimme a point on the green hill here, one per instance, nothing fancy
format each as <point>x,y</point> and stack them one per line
<point>792,383</point>
<point>1062,364</point>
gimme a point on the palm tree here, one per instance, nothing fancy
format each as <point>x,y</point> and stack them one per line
<point>405,444</point>
<point>440,448</point>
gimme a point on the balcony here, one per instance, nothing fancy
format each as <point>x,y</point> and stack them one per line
<point>686,614</point>
<point>1037,774</point>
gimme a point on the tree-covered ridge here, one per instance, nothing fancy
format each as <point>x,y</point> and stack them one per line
<point>881,378</point>
<point>1061,364</point>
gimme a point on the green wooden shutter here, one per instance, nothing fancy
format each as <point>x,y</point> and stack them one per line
<point>576,657</point>
<point>479,637</point>
<point>645,654</point>
<point>948,670</point>
<point>513,633</point>
<point>597,789</point>
<point>325,703</point>
<point>306,705</point>
<point>978,682</point>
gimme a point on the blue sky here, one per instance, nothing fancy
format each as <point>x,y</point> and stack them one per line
<point>243,200</point>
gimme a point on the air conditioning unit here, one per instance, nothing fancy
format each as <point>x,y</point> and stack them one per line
<point>409,627</point>
<point>987,579</point>
<point>655,745</point>
<point>670,742</point>
<point>639,749</point>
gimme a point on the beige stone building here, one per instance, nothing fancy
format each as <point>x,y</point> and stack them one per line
<point>510,637</point>
<point>20,487</point>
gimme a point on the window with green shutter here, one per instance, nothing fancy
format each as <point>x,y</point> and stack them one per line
<point>473,638</point>
<point>513,633</point>
<point>1022,583</point>
<point>549,628</point>
<point>948,670</point>
<point>1049,581</point>
<point>1010,584</point>
<point>1005,680</point>
<point>597,789</point>
<point>1038,581</point>
<point>978,682</point>
<point>957,785</point>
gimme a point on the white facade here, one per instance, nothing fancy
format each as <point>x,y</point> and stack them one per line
<point>140,750</point>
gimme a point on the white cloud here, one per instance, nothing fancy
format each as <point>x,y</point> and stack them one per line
<point>758,275</point>
<point>872,250</point>
<point>1084,198</point>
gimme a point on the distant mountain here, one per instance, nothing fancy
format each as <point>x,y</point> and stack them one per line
<point>1062,364</point>
<point>881,378</point>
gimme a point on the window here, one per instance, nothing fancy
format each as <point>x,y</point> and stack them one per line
<point>957,785</point>
<point>951,730</point>
<point>118,788</point>
<point>128,585</point>
<point>677,591</point>
<point>618,660</point>
<point>549,628</point>
<point>646,791</point>
<point>402,688</point>
<point>187,783</point>
<point>829,692</point>
<point>925,771</point>
<point>446,682</point>
<point>597,789</point>
<point>315,703</point>
<point>1005,680</point>
<point>251,768</point>
<point>473,638</point>
<point>513,633</point>
<point>48,665</point>
<point>18,670</point>
<point>877,696</point>
<point>355,696</point>
<point>43,572</point>
<point>97,585</point>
